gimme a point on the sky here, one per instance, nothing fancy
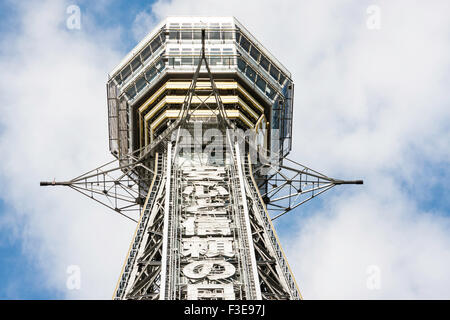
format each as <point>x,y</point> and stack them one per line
<point>371,102</point>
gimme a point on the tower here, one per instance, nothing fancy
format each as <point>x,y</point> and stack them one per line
<point>200,124</point>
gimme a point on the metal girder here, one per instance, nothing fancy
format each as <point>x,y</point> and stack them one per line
<point>186,112</point>
<point>141,274</point>
<point>120,184</point>
<point>152,269</point>
<point>285,187</point>
<point>276,278</point>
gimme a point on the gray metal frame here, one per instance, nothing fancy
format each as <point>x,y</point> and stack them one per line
<point>291,184</point>
<point>153,265</point>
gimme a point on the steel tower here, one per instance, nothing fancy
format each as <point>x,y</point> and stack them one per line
<point>200,124</point>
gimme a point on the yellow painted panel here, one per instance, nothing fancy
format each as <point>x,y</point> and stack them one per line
<point>185,85</point>
<point>200,84</point>
<point>173,114</point>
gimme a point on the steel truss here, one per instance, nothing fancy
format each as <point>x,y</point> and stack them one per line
<point>120,185</point>
<point>141,273</point>
<point>286,186</point>
<point>150,269</point>
<point>153,265</point>
<point>186,111</point>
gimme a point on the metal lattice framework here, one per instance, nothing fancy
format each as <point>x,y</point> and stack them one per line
<point>186,110</point>
<point>145,271</point>
<point>291,184</point>
<point>120,185</point>
<point>153,198</point>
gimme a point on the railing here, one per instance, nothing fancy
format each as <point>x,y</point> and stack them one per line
<point>269,229</point>
<point>140,230</point>
<point>238,218</point>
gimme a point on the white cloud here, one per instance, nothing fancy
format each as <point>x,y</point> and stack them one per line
<point>143,24</point>
<point>368,104</point>
<point>336,245</point>
<point>53,105</point>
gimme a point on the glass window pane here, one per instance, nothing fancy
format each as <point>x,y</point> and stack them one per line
<point>160,65</point>
<point>275,119</point>
<point>282,78</point>
<point>126,72</point>
<point>245,44</point>
<point>270,92</point>
<point>197,34</point>
<point>196,56</point>
<point>150,74</point>
<point>255,53</point>
<point>264,63</point>
<point>186,35</point>
<point>227,35</point>
<point>118,79</point>
<point>250,73</point>
<point>261,83</point>
<point>146,53</point>
<point>140,83</point>
<point>215,56</point>
<point>131,92</point>
<point>186,58</point>
<point>174,57</point>
<point>186,27</point>
<point>238,36</point>
<point>155,44</point>
<point>274,72</point>
<point>174,33</point>
<point>214,35</point>
<point>241,64</point>
<point>136,63</point>
<point>227,60</point>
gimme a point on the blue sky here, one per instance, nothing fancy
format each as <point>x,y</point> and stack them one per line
<point>20,276</point>
<point>377,108</point>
